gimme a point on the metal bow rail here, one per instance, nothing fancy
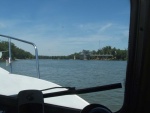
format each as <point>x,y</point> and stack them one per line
<point>35,48</point>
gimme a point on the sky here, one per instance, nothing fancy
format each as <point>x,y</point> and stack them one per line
<point>63,27</point>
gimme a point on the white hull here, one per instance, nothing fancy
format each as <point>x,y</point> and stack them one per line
<point>12,84</point>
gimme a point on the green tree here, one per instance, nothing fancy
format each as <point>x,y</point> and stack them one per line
<point>16,52</point>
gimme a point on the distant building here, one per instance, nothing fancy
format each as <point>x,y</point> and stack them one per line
<point>85,55</point>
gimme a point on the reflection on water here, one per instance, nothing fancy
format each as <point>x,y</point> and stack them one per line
<point>81,74</point>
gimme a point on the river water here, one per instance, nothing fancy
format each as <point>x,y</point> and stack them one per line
<point>80,74</point>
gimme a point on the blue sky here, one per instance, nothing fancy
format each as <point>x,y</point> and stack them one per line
<point>62,27</point>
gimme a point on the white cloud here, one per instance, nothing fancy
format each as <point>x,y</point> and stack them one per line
<point>105,27</point>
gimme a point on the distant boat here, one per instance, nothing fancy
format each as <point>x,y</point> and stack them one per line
<point>0,54</point>
<point>74,57</point>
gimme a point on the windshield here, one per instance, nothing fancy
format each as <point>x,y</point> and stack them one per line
<point>80,43</point>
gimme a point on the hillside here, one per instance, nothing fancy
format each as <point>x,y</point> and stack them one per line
<point>17,53</point>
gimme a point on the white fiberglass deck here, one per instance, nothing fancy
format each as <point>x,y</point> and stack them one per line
<point>12,84</point>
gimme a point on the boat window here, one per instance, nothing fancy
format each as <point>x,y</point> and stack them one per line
<point>81,43</point>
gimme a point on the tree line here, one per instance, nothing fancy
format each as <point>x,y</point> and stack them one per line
<point>16,52</point>
<point>112,53</point>
<point>117,54</point>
